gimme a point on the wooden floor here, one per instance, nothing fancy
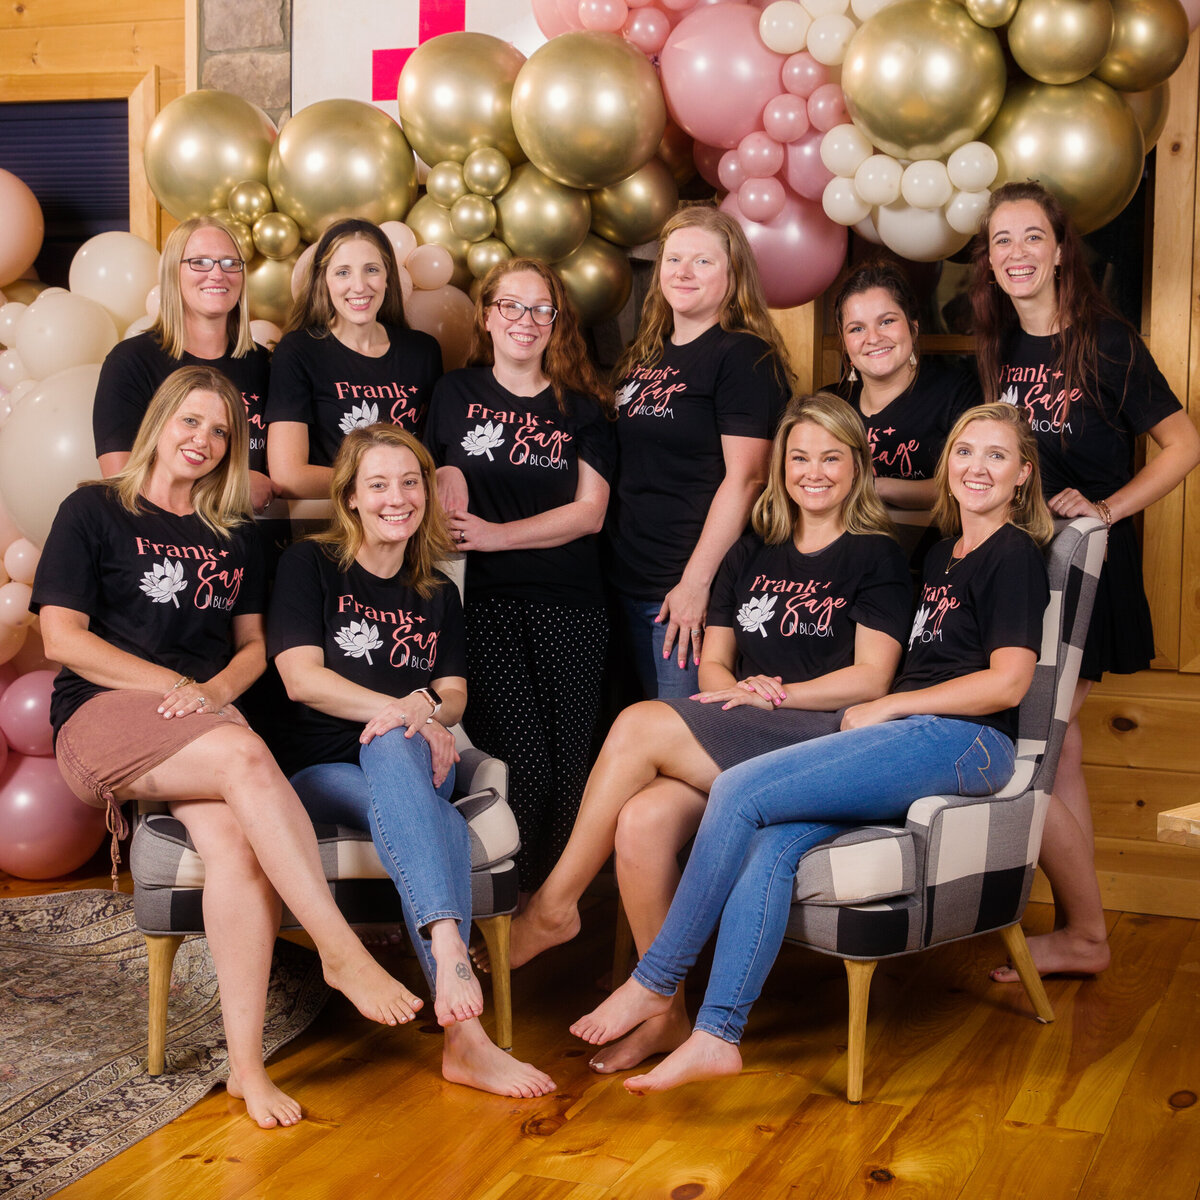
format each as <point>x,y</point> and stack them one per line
<point>966,1096</point>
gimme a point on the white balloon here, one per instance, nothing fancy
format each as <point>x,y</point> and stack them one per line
<point>826,8</point>
<point>867,231</point>
<point>918,234</point>
<point>116,269</point>
<point>844,149</point>
<point>12,369</point>
<point>973,167</point>
<point>266,333</point>
<point>965,210</point>
<point>828,38</point>
<point>842,203</point>
<point>138,326</point>
<point>877,179</point>
<point>21,391</point>
<point>783,26</point>
<point>10,317</point>
<point>925,184</point>
<point>65,330</point>
<point>154,302</point>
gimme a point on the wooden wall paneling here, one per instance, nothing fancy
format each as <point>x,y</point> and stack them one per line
<point>48,14</point>
<point>191,45</point>
<point>77,49</point>
<point>145,216</point>
<point>1189,641</point>
<point>1141,877</point>
<point>1127,801</point>
<point>1141,731</point>
<point>801,329</point>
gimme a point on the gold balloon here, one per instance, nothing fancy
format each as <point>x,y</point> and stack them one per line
<point>455,96</point>
<point>598,279</point>
<point>539,217</point>
<point>921,78</point>
<point>1150,108</point>
<point>431,223</point>
<point>1150,38</point>
<point>250,200</point>
<point>200,146</point>
<point>242,234</point>
<point>473,217</point>
<point>633,211</point>
<point>588,109</point>
<point>444,183</point>
<point>991,14</point>
<point>486,172</point>
<point>269,288</point>
<point>675,149</point>
<point>1060,41</point>
<point>483,256</point>
<point>1080,140</point>
<point>341,158</point>
<point>276,235</point>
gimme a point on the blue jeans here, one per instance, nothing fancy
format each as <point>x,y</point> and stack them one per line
<point>661,678</point>
<point>765,813</point>
<point>421,838</point>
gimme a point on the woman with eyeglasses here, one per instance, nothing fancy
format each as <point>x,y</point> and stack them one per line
<point>203,320</point>
<point>347,359</point>
<point>525,446</point>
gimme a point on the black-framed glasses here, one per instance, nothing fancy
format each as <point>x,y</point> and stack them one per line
<point>514,310</point>
<point>231,266</point>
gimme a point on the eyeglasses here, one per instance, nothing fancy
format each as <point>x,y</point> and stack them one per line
<point>514,310</point>
<point>231,266</point>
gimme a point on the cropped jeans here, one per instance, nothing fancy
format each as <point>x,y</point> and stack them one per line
<point>765,813</point>
<point>421,838</point>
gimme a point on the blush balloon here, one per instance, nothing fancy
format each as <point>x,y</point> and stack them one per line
<point>647,29</point>
<point>25,713</point>
<point>802,74</point>
<point>761,199</point>
<point>805,173</point>
<point>730,171</point>
<point>827,107</point>
<point>708,162</point>
<point>760,155</point>
<point>786,118</point>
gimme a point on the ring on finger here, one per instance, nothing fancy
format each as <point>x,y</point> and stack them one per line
<point>203,702</point>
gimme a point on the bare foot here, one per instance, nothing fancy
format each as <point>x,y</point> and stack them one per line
<point>382,937</point>
<point>372,990</point>
<point>702,1056</point>
<point>1060,953</point>
<point>629,1005</point>
<point>470,1057</point>
<point>459,996</point>
<point>533,931</point>
<point>265,1103</point>
<point>658,1035</point>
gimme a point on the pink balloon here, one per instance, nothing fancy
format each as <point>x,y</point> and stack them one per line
<point>549,19</point>
<point>266,333</point>
<point>45,830</point>
<point>568,11</point>
<point>21,560</point>
<point>802,74</point>
<point>14,604</point>
<point>300,270</point>
<point>7,674</point>
<point>717,75</point>
<point>677,5</point>
<point>448,314</point>
<point>25,713</point>
<point>647,29</point>
<point>760,156</point>
<point>799,252</point>
<point>708,163</point>
<point>805,173</point>
<point>761,199</point>
<point>431,266</point>
<point>786,118</point>
<point>827,107</point>
<point>604,16</point>
<point>1192,9</point>
<point>730,171</point>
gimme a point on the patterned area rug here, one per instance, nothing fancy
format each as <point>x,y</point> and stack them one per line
<point>73,984</point>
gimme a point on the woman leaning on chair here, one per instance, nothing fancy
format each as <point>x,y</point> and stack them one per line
<point>150,590</point>
<point>368,635</point>
<point>947,727</point>
<point>807,615</point>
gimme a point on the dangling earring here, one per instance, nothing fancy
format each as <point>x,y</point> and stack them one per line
<point>912,358</point>
<point>853,376</point>
<point>1018,496</point>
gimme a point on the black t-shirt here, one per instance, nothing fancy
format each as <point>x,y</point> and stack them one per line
<point>672,416</point>
<point>994,597</point>
<point>795,615</point>
<point>1095,452</point>
<point>379,633</point>
<point>162,587</point>
<point>906,438</point>
<point>332,389</point>
<point>135,368</point>
<point>521,456</point>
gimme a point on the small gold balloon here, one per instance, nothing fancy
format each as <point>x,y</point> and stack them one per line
<point>341,158</point>
<point>200,146</point>
<point>1150,38</point>
<point>483,256</point>
<point>250,200</point>
<point>598,279</point>
<point>444,182</point>
<point>921,78</point>
<point>455,95</point>
<point>539,217</point>
<point>588,109</point>
<point>269,288</point>
<point>473,217</point>
<point>486,171</point>
<point>1080,140</point>
<point>1150,108</point>
<point>1060,41</point>
<point>276,235</point>
<point>675,149</point>
<point>431,223</point>
<point>243,235</point>
<point>991,14</point>
<point>633,211</point>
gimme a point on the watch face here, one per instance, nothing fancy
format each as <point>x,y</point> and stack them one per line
<point>433,693</point>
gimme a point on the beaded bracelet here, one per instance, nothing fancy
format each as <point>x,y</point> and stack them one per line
<point>182,681</point>
<point>1101,506</point>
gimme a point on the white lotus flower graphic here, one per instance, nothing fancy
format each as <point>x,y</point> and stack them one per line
<point>918,626</point>
<point>625,394</point>
<point>358,639</point>
<point>483,439</point>
<point>1010,396</point>
<point>164,581</point>
<point>359,417</point>
<point>755,613</point>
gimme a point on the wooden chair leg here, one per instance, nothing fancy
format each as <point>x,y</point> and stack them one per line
<point>496,932</point>
<point>858,980</point>
<point>622,947</point>
<point>161,950</point>
<point>1018,951</point>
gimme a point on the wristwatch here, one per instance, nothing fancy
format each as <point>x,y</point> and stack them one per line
<point>431,695</point>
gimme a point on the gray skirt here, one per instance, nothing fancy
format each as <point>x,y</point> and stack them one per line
<point>734,736</point>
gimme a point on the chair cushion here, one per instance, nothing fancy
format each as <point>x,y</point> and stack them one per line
<point>875,862</point>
